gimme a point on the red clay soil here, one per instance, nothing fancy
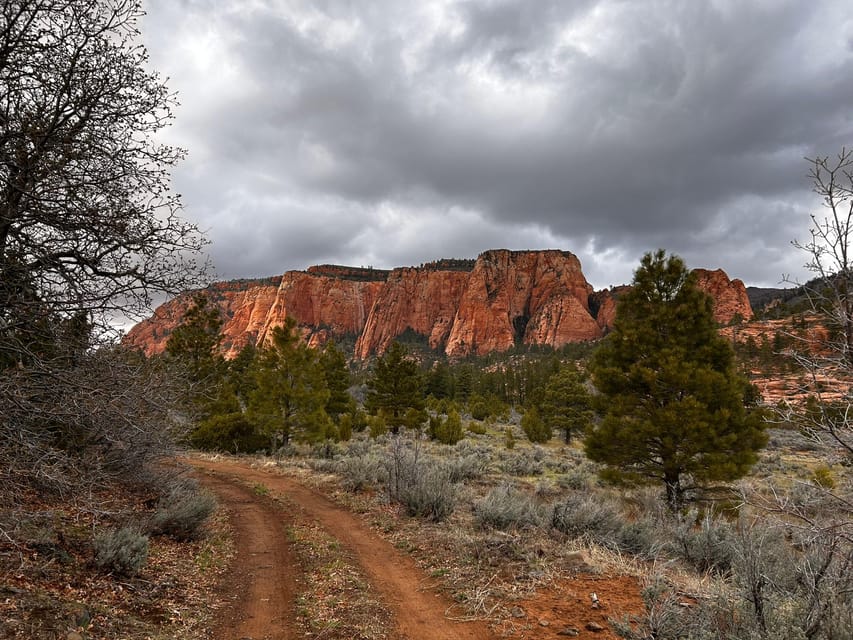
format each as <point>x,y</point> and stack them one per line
<point>261,582</point>
<point>567,605</point>
<point>262,554</point>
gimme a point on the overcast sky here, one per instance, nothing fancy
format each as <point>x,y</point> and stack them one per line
<point>389,133</point>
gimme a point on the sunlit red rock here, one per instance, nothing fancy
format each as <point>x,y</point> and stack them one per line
<point>529,297</point>
<point>730,299</point>
<point>460,307</point>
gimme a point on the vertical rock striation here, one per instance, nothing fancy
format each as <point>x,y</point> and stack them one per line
<point>460,307</point>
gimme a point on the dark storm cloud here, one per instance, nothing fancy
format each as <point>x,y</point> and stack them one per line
<point>391,133</point>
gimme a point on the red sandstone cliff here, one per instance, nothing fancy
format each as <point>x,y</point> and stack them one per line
<point>423,300</point>
<point>730,298</point>
<point>461,307</point>
<point>533,297</point>
<point>326,306</point>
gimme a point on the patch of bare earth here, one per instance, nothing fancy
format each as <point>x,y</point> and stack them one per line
<point>519,584</point>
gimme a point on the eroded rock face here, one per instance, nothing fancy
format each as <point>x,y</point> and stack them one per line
<point>730,298</point>
<point>604,304</point>
<point>461,307</point>
<point>322,306</point>
<point>530,297</point>
<point>423,300</point>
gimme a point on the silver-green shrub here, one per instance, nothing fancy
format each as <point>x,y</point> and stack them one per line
<point>182,513</point>
<point>121,551</point>
<point>506,507</point>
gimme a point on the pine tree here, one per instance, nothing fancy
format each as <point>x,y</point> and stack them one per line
<point>566,403</point>
<point>395,387</point>
<point>533,426</point>
<point>671,398</point>
<point>196,341</point>
<point>194,346</point>
<point>290,398</point>
<point>337,376</point>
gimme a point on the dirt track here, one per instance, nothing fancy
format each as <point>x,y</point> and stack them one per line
<point>265,577</point>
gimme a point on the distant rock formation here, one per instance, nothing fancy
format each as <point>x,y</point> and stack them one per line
<point>460,307</point>
<point>730,299</point>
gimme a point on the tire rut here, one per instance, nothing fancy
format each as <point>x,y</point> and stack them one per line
<point>419,614</point>
<point>263,573</point>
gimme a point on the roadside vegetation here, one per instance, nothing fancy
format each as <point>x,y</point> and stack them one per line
<point>100,532</point>
<point>647,455</point>
<point>510,477</point>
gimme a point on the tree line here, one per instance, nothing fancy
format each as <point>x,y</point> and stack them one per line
<point>663,400</point>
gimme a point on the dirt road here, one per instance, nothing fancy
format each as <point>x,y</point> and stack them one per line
<point>268,588</point>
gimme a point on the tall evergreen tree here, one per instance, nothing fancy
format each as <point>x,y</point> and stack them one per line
<point>290,397</point>
<point>195,341</point>
<point>566,403</point>
<point>672,400</point>
<point>395,387</point>
<point>337,376</point>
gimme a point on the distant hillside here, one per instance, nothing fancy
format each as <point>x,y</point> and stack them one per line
<point>459,307</point>
<point>772,302</point>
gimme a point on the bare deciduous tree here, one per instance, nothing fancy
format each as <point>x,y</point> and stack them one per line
<point>88,223</point>
<point>830,294</point>
<point>88,228</point>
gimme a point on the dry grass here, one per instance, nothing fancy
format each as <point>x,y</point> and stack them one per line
<point>51,587</point>
<point>486,571</point>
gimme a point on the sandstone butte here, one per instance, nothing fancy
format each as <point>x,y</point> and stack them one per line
<point>460,307</point>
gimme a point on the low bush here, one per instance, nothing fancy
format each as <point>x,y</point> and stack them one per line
<point>579,516</point>
<point>431,495</point>
<point>121,551</point>
<point>707,543</point>
<point>467,464</point>
<point>447,431</point>
<point>231,432</point>
<point>579,477</point>
<point>477,427</point>
<point>326,450</point>
<point>506,507</point>
<point>524,463</point>
<point>418,482</point>
<point>359,472</point>
<point>182,513</point>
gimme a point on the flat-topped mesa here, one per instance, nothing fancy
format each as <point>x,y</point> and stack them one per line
<point>363,274</point>
<point>460,307</point>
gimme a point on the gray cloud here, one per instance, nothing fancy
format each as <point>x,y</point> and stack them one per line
<point>391,133</point>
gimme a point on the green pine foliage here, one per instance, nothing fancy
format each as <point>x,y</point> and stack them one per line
<point>396,389</point>
<point>534,427</point>
<point>229,432</point>
<point>289,400</point>
<point>672,402</point>
<point>448,430</point>
<point>566,403</point>
<point>336,373</point>
<point>195,342</point>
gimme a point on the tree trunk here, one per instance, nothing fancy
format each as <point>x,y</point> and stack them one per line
<point>674,491</point>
